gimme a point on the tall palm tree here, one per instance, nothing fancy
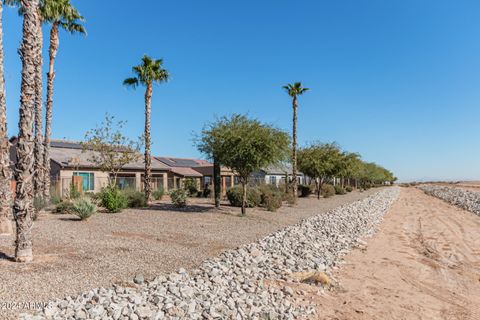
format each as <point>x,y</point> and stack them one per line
<point>294,90</point>
<point>23,206</point>
<point>5,173</point>
<point>147,74</point>
<point>60,14</point>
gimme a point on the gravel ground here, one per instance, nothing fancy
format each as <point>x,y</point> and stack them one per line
<point>232,285</point>
<point>465,199</point>
<point>73,256</point>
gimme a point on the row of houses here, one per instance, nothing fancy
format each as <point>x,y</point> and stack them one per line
<point>69,160</point>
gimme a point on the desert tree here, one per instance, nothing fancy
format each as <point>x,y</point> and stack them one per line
<point>61,15</point>
<point>319,161</point>
<point>148,73</point>
<point>210,143</point>
<point>247,145</point>
<point>5,172</point>
<point>109,149</point>
<point>294,90</point>
<point>23,205</point>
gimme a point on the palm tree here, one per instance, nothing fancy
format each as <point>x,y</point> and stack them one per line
<point>38,150</point>
<point>60,14</point>
<point>5,173</point>
<point>147,73</point>
<point>293,91</point>
<point>23,206</point>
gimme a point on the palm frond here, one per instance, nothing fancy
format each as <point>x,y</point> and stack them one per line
<point>131,82</point>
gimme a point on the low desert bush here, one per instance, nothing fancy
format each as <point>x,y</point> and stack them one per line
<point>179,197</point>
<point>339,190</point>
<point>39,203</point>
<point>288,197</point>
<point>328,190</point>
<point>158,194</point>
<point>55,199</point>
<point>305,190</point>
<point>191,187</point>
<point>64,207</point>
<point>234,196</point>
<point>271,197</point>
<point>348,189</point>
<point>74,193</point>
<point>84,207</point>
<point>112,199</point>
<point>135,199</point>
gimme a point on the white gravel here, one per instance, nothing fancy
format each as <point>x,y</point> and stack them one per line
<point>462,198</point>
<point>232,285</point>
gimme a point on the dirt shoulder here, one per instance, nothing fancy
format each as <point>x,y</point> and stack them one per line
<point>424,263</point>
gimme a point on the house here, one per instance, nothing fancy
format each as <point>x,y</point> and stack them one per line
<point>199,170</point>
<point>68,160</point>
<point>275,175</point>
<point>181,169</point>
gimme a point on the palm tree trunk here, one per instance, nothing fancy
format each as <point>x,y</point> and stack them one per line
<point>217,181</point>
<point>294,149</point>
<point>48,110</point>
<point>23,207</point>
<point>5,172</point>
<point>148,159</point>
<point>38,181</point>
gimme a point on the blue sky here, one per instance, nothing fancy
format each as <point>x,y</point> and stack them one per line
<point>397,81</point>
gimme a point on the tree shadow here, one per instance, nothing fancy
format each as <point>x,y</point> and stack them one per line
<point>187,209</point>
<point>4,256</point>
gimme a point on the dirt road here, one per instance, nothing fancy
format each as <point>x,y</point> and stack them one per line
<point>424,263</point>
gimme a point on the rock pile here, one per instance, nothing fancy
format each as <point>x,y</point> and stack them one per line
<point>462,198</point>
<point>232,285</point>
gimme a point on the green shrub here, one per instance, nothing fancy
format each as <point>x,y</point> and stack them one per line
<point>84,207</point>
<point>288,196</point>
<point>339,190</point>
<point>328,190</point>
<point>234,196</point>
<point>135,199</point>
<point>158,194</point>
<point>272,201</point>
<point>305,190</point>
<point>179,197</point>
<point>74,193</point>
<point>112,199</point>
<point>64,207</point>
<point>191,187</point>
<point>271,197</point>
<point>55,199</point>
<point>348,189</point>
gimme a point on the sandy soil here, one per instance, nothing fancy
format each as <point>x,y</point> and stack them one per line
<point>72,256</point>
<point>424,263</point>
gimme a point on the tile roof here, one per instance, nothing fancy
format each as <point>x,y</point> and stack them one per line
<point>71,155</point>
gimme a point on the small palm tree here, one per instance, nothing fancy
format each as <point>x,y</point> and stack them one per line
<point>23,206</point>
<point>60,14</point>
<point>293,91</point>
<point>5,173</point>
<point>147,73</point>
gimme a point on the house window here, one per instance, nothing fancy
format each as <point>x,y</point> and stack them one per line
<point>273,180</point>
<point>228,181</point>
<point>88,180</point>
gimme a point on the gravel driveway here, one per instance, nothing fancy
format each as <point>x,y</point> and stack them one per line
<point>73,256</point>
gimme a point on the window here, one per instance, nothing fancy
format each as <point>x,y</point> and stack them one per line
<point>88,180</point>
<point>273,180</point>
<point>228,181</point>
